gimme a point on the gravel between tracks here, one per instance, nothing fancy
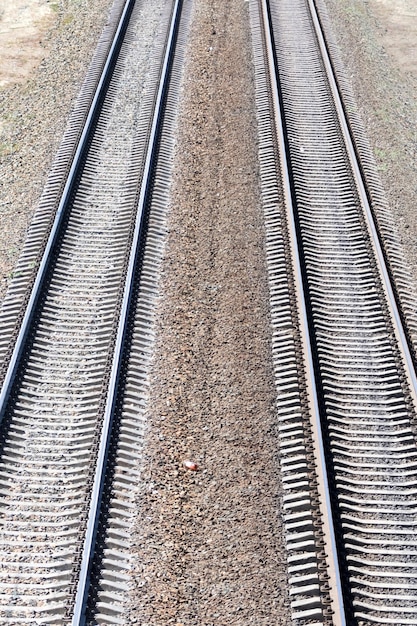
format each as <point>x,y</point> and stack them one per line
<point>209,547</point>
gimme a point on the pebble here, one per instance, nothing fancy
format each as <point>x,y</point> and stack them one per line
<point>190,465</point>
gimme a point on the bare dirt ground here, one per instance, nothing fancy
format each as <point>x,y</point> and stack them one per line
<point>23,24</point>
<point>398,20</point>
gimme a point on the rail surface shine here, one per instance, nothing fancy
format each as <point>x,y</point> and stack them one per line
<point>363,371</point>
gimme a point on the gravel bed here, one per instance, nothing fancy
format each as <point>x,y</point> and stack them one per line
<point>208,547</point>
<point>33,116</point>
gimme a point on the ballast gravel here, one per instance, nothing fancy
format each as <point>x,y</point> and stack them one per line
<point>208,546</point>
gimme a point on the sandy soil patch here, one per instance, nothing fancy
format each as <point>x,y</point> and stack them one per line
<point>399,21</point>
<point>23,23</point>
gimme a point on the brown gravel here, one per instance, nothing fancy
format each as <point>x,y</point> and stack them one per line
<point>33,115</point>
<point>208,546</point>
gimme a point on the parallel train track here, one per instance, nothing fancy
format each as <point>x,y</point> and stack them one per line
<point>78,337</point>
<point>73,396</point>
<point>346,384</point>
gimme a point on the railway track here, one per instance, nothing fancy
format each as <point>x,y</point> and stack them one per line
<point>77,335</point>
<point>80,331</point>
<point>346,385</point>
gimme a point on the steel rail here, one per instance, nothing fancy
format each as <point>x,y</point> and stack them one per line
<point>79,614</point>
<point>370,222</point>
<point>336,594</point>
<point>62,209</point>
